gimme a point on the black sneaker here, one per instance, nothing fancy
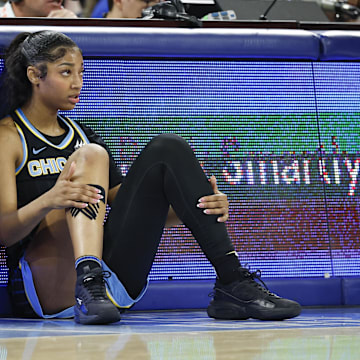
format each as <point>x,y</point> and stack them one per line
<point>92,304</point>
<point>246,298</point>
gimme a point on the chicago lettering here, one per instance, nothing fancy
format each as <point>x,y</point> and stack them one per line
<point>47,166</point>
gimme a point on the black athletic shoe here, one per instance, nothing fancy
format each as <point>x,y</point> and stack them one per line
<point>92,304</point>
<point>246,298</point>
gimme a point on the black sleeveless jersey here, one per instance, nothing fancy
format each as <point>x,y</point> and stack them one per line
<point>43,160</point>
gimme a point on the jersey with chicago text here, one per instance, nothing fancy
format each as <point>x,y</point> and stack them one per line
<point>44,156</point>
<point>43,160</point>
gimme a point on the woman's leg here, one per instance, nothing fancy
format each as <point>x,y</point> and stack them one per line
<point>66,237</point>
<point>165,173</point>
<point>51,258</point>
<point>86,228</point>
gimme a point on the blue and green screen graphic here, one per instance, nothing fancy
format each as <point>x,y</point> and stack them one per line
<point>282,139</point>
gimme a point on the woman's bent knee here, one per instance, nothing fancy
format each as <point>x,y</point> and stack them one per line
<point>91,154</point>
<point>169,143</point>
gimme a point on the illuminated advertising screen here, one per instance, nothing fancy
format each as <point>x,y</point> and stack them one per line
<point>282,138</point>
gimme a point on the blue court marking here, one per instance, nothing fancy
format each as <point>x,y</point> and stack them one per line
<point>178,321</point>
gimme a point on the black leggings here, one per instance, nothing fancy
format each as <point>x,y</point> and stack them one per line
<point>165,173</point>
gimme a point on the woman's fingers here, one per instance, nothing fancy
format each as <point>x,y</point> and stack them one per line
<point>223,218</point>
<point>213,183</point>
<point>213,198</point>
<point>83,193</point>
<point>67,194</point>
<point>218,211</point>
<point>68,173</point>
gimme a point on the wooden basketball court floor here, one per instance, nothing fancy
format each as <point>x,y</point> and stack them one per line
<point>317,334</point>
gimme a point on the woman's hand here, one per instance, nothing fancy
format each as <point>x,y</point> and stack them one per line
<point>66,193</point>
<point>215,204</point>
<point>62,13</point>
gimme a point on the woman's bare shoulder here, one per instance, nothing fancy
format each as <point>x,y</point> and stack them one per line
<point>7,122</point>
<point>9,136</point>
<point>7,126</point>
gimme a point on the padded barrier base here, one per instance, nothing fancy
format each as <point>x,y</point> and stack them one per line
<point>5,307</point>
<point>167,295</point>
<point>351,291</point>
<point>171,295</point>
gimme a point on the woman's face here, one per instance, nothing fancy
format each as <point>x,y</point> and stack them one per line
<point>40,8</point>
<point>133,8</point>
<point>60,88</point>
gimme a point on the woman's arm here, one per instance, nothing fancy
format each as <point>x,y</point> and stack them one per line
<point>16,223</point>
<point>216,204</point>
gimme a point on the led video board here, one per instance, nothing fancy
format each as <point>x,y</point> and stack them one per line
<point>282,138</point>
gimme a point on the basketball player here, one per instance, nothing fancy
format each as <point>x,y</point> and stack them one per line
<point>57,176</point>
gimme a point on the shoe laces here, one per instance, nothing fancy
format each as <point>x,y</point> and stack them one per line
<point>95,284</point>
<point>253,276</point>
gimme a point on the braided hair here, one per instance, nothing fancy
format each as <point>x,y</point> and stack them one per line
<point>37,49</point>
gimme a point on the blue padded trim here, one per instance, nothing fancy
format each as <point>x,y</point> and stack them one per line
<point>340,45</point>
<point>179,42</point>
<point>310,291</point>
<point>215,43</point>
<point>351,291</point>
<point>169,295</point>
